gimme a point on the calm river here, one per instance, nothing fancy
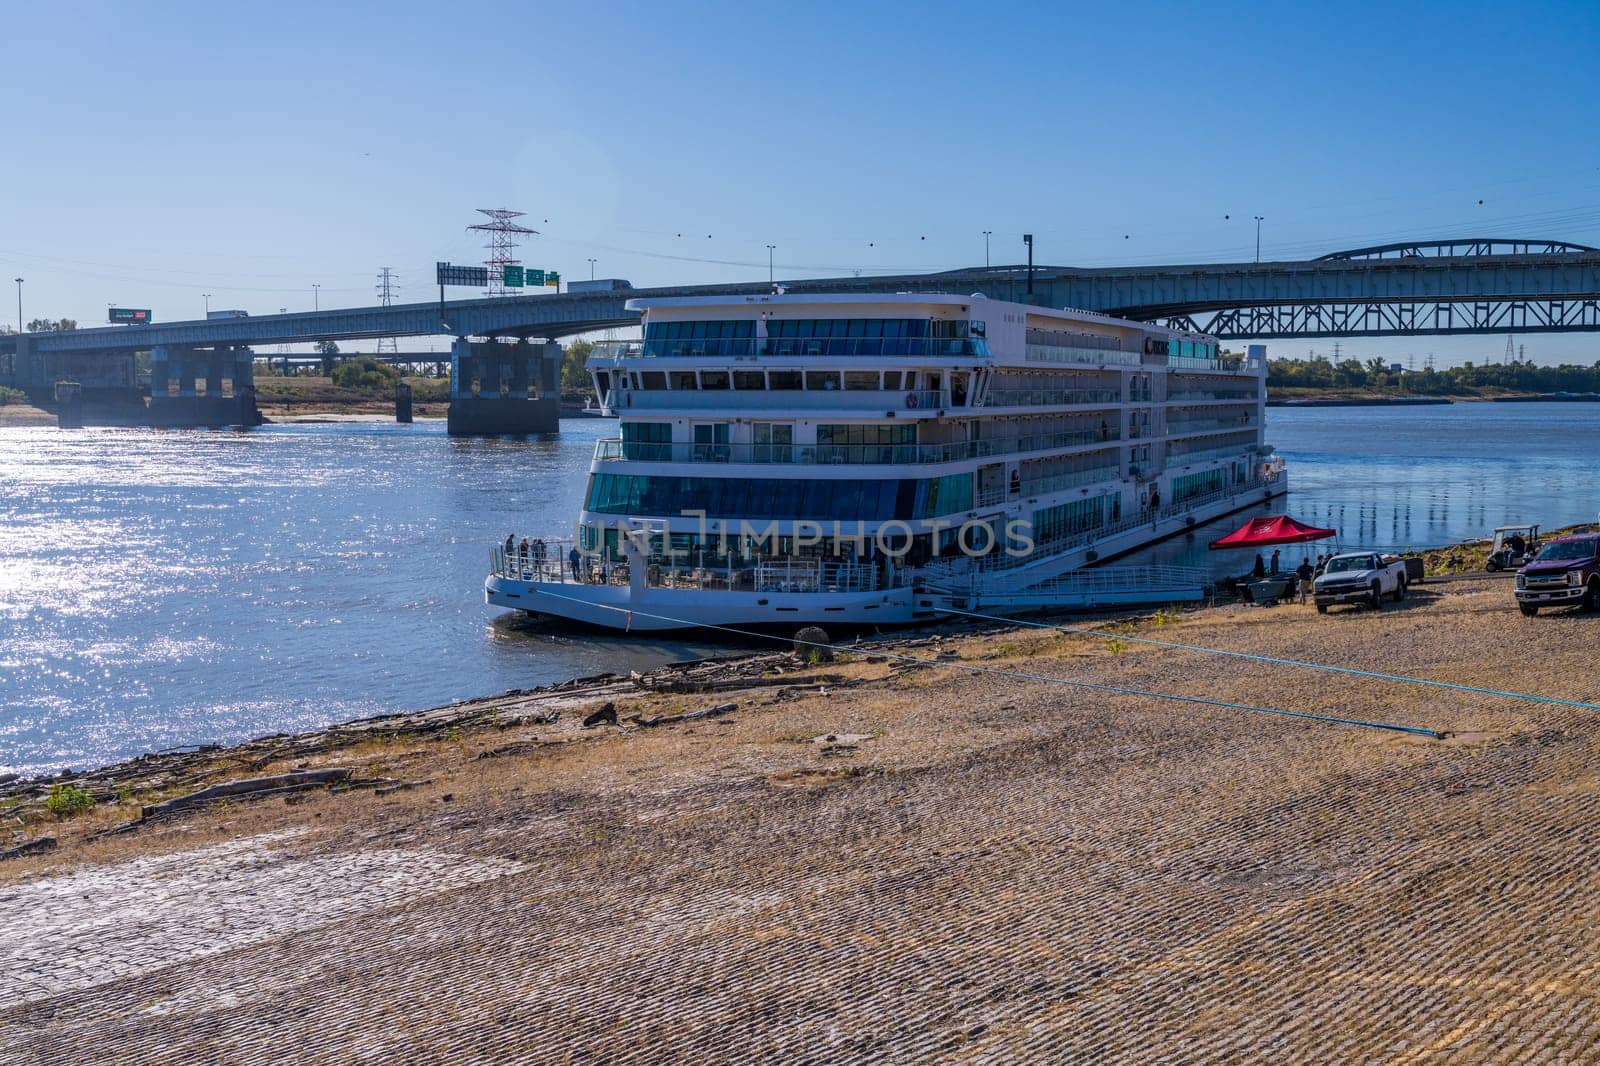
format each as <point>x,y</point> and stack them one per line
<point>162,588</point>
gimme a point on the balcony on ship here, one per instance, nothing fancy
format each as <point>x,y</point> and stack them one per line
<point>792,347</point>
<point>614,449</point>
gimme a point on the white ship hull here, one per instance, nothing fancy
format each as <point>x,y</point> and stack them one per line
<point>1047,584</point>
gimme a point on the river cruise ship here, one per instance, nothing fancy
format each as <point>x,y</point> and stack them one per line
<point>865,459</point>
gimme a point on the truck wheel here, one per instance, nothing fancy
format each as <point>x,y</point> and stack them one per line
<point>1377,596</point>
<point>1591,595</point>
<point>1322,608</point>
<point>1527,611</point>
<point>1400,590</point>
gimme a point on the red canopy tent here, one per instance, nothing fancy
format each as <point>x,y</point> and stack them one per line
<point>1277,529</point>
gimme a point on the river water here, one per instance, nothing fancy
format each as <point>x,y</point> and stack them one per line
<point>162,588</point>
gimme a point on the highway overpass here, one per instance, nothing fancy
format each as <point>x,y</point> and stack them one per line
<point>1477,285</point>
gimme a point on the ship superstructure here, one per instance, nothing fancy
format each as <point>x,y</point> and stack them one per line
<point>875,458</point>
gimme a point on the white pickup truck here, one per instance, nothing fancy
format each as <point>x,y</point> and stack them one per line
<point>1360,577</point>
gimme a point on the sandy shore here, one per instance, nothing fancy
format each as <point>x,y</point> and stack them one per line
<point>874,860</point>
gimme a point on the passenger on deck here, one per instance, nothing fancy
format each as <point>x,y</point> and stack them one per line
<point>574,558</point>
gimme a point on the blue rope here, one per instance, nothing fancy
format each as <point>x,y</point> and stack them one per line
<point>1017,674</point>
<point>1553,700</point>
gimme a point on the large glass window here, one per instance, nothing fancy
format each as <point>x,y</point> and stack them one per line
<point>647,441</point>
<point>780,498</point>
<point>1066,519</point>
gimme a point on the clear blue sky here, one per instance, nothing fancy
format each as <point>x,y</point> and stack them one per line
<point>167,150</point>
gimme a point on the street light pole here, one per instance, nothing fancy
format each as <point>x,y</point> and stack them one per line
<point>986,235</point>
<point>770,248</point>
<point>1258,238</point>
<point>207,295</point>
<point>19,305</point>
<point>591,270</point>
<point>316,297</point>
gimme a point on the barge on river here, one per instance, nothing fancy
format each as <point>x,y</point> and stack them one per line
<point>878,459</point>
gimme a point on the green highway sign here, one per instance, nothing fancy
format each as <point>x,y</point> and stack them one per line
<point>513,277</point>
<point>533,277</point>
<point>552,278</point>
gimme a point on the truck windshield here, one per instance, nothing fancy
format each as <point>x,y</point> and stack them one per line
<point>1567,549</point>
<point>1351,562</point>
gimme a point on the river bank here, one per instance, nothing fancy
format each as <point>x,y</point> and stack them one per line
<point>1002,866</point>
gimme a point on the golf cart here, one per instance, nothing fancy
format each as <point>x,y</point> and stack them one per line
<point>1513,546</point>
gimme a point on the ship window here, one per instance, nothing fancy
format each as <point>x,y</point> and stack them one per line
<point>653,379</point>
<point>707,330</point>
<point>891,380</point>
<point>822,379</point>
<point>780,498</point>
<point>861,380</point>
<point>749,380</point>
<point>683,379</point>
<point>713,379</point>
<point>784,379</point>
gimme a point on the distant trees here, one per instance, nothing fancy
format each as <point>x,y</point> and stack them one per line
<point>45,325</point>
<point>574,378</point>
<point>329,350</point>
<point>1321,373</point>
<point>364,373</point>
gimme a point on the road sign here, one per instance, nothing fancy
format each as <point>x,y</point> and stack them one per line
<point>137,315</point>
<point>513,277</point>
<point>462,276</point>
<point>552,278</point>
<point>533,277</point>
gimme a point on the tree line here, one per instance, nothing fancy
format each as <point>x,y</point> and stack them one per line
<point>1321,372</point>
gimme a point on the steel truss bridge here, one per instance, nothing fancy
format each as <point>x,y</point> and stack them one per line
<point>1456,286</point>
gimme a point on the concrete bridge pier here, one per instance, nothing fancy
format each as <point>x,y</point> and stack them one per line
<point>189,408</point>
<point>504,389</point>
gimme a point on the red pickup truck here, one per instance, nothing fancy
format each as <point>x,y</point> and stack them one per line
<point>1565,572</point>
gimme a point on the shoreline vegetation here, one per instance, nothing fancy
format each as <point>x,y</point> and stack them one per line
<point>1319,381</point>
<point>1049,866</point>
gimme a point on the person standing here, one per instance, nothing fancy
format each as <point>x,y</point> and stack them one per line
<point>575,559</point>
<point>1260,570</point>
<point>1274,562</point>
<point>1307,574</point>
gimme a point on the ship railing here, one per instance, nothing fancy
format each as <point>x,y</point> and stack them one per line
<point>616,449</point>
<point>758,401</point>
<point>1230,396</point>
<point>557,567</point>
<point>1206,455</point>
<point>1200,362</point>
<point>1070,479</point>
<point>1202,425</point>
<point>1049,397</point>
<point>790,347</point>
<point>1063,353</point>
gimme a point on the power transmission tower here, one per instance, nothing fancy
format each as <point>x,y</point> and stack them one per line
<point>503,233</point>
<point>1511,351</point>
<point>388,285</point>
